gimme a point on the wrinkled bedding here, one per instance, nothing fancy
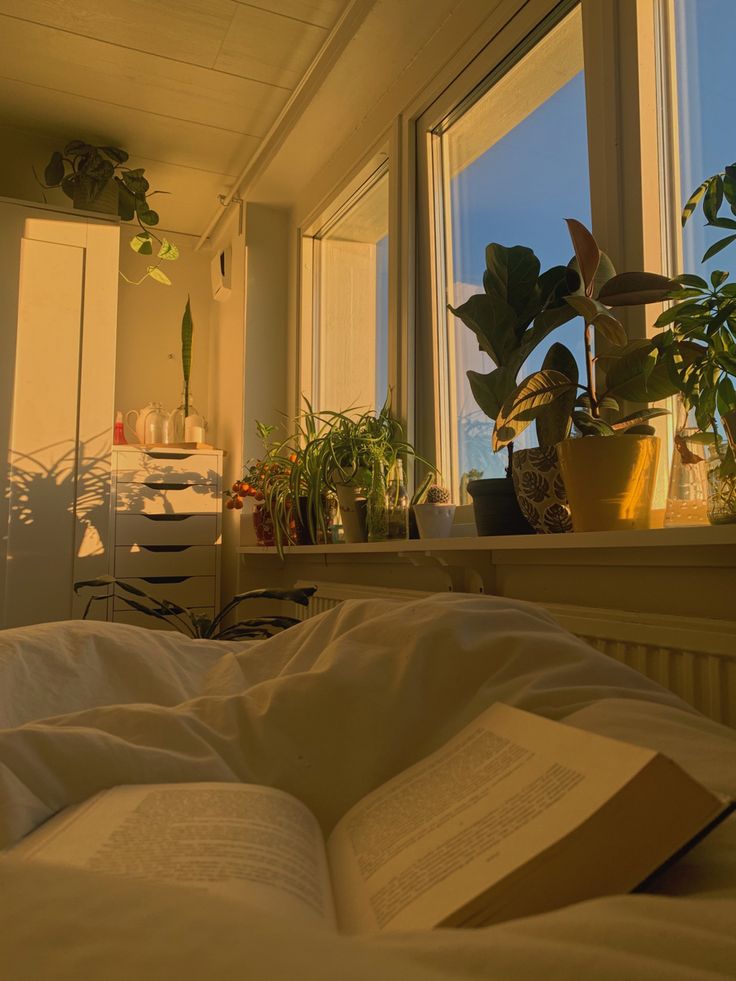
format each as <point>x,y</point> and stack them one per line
<point>327,711</point>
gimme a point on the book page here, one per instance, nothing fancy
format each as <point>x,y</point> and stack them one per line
<point>237,840</point>
<point>506,788</point>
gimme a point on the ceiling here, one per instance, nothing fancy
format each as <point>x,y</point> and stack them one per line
<point>189,87</point>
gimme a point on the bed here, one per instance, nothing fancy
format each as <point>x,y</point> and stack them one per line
<point>327,711</point>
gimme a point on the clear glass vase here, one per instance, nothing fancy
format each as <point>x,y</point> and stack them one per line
<point>181,431</point>
<point>721,493</point>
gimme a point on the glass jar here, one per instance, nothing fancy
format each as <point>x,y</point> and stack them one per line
<point>721,493</point>
<point>687,495</point>
<point>189,426</point>
<point>397,504</point>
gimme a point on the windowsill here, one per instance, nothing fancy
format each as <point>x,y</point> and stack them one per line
<point>701,535</point>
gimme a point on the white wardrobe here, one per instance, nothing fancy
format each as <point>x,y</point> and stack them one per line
<point>58,315</point>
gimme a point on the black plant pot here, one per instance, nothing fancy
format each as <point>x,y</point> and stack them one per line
<point>496,509</point>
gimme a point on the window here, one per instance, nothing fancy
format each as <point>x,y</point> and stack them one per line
<point>706,103</point>
<point>509,164</point>
<point>350,301</point>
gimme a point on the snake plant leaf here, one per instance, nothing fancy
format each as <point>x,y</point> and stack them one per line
<point>511,273</point>
<point>142,243</point>
<point>155,273</point>
<point>718,246</point>
<point>187,331</point>
<point>493,322</point>
<point>713,198</point>
<point>553,421</point>
<point>634,288</point>
<point>587,252</point>
<point>526,402</point>
<point>54,172</point>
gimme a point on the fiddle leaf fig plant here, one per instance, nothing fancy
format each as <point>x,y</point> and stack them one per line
<point>519,307</point>
<point>554,395</point>
<point>83,171</point>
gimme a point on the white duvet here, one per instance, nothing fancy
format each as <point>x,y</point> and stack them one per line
<point>327,711</point>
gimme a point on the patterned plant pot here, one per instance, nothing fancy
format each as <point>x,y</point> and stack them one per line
<point>540,490</point>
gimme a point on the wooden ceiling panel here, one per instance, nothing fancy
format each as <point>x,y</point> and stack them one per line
<point>269,47</point>
<point>323,13</point>
<point>186,30</point>
<point>118,76</point>
<point>159,138</point>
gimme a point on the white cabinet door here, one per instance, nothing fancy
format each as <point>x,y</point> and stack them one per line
<point>61,408</point>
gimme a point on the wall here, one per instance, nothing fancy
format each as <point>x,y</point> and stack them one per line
<point>149,327</point>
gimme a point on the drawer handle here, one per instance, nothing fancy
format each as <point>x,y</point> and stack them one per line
<point>153,580</point>
<point>165,548</point>
<point>155,485</point>
<point>167,456</point>
<point>166,517</point>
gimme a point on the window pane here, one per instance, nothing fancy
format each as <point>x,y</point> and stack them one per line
<point>707,108</point>
<point>351,349</point>
<point>515,166</point>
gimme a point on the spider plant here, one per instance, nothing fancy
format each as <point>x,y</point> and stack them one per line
<point>193,624</point>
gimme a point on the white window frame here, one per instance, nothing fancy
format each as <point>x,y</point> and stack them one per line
<point>625,161</point>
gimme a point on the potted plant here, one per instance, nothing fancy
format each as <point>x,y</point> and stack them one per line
<point>357,453</point>
<point>517,310</point>
<point>190,622</point>
<point>96,178</point>
<point>609,473</point>
<point>699,338</point>
<point>435,514</point>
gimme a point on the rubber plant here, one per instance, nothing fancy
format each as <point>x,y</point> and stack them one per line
<point>83,170</point>
<point>518,308</point>
<point>195,624</point>
<point>636,370</point>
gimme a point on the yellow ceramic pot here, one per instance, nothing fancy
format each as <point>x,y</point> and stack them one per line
<point>609,480</point>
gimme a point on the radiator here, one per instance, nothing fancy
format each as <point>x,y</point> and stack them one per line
<point>694,658</point>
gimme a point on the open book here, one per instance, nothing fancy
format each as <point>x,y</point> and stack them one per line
<point>513,816</point>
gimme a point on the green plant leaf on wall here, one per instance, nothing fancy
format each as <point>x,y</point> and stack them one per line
<point>168,250</point>
<point>142,243</point>
<point>155,273</point>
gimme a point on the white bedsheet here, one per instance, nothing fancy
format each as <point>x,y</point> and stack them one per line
<point>327,711</point>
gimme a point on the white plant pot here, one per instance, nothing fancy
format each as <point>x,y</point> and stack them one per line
<point>434,520</point>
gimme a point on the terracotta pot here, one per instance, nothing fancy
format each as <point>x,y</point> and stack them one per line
<point>609,480</point>
<point>496,509</point>
<point>540,490</point>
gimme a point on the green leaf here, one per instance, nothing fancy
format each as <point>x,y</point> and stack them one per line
<point>54,173</point>
<point>511,274</point>
<point>492,321</point>
<point>610,328</point>
<point>727,361</point>
<point>638,417</point>
<point>713,198</point>
<point>491,390</point>
<point>729,188</point>
<point>155,273</point>
<point>723,223</point>
<point>678,312</point>
<point>525,403</point>
<point>135,181</point>
<point>639,429</point>
<point>718,246</point>
<point>553,421</point>
<point>148,217</point>
<point>633,288</point>
<point>717,278</point>
<point>687,279</point>
<point>627,377</point>
<point>586,252</point>
<point>725,396</point>
<point>168,250</point>
<point>187,333</point>
<point>692,202</point>
<point>115,153</point>
<point>142,243</point>
<point>588,425</point>
<point>126,201</point>
<point>76,147</point>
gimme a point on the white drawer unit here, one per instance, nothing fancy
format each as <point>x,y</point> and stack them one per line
<point>166,506</point>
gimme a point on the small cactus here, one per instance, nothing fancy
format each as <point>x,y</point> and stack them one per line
<point>437,494</point>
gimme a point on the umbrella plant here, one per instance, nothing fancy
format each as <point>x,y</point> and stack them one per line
<point>195,624</point>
